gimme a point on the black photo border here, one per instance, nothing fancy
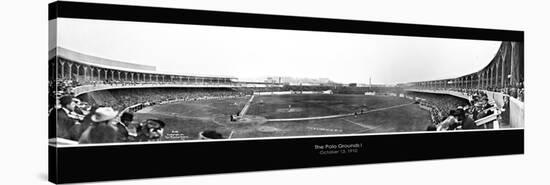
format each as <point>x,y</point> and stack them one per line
<point>116,162</point>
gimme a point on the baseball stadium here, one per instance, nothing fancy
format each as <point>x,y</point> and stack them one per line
<point>146,105</point>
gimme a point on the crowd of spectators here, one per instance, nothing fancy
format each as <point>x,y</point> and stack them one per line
<point>440,105</point>
<point>516,92</point>
<point>151,96</point>
<point>60,87</point>
<point>89,122</point>
<point>78,123</point>
<point>452,113</point>
<point>135,82</point>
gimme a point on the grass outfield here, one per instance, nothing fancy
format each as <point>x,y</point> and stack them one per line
<point>186,119</point>
<point>318,105</point>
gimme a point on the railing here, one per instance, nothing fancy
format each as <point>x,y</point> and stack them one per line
<point>493,118</point>
<point>130,108</point>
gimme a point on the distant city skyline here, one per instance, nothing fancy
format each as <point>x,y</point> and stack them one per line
<point>251,53</point>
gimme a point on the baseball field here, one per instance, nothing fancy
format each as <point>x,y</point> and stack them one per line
<point>288,115</point>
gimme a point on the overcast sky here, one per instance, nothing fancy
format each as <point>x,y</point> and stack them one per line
<point>248,53</point>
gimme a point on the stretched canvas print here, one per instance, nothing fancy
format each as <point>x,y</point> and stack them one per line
<point>227,92</point>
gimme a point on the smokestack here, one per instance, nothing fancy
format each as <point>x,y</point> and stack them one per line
<point>370,82</point>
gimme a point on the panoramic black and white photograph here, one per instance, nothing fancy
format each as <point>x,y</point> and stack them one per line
<point>117,82</point>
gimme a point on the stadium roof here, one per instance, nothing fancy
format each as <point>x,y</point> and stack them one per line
<point>117,65</point>
<point>80,57</point>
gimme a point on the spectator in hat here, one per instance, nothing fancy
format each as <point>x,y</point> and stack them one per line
<point>449,122</point>
<point>465,121</point>
<point>78,107</point>
<point>122,126</point>
<point>477,111</point>
<point>150,130</point>
<point>62,118</point>
<point>103,129</point>
<point>85,123</point>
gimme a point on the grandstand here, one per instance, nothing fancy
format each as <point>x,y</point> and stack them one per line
<point>501,82</point>
<point>84,73</point>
